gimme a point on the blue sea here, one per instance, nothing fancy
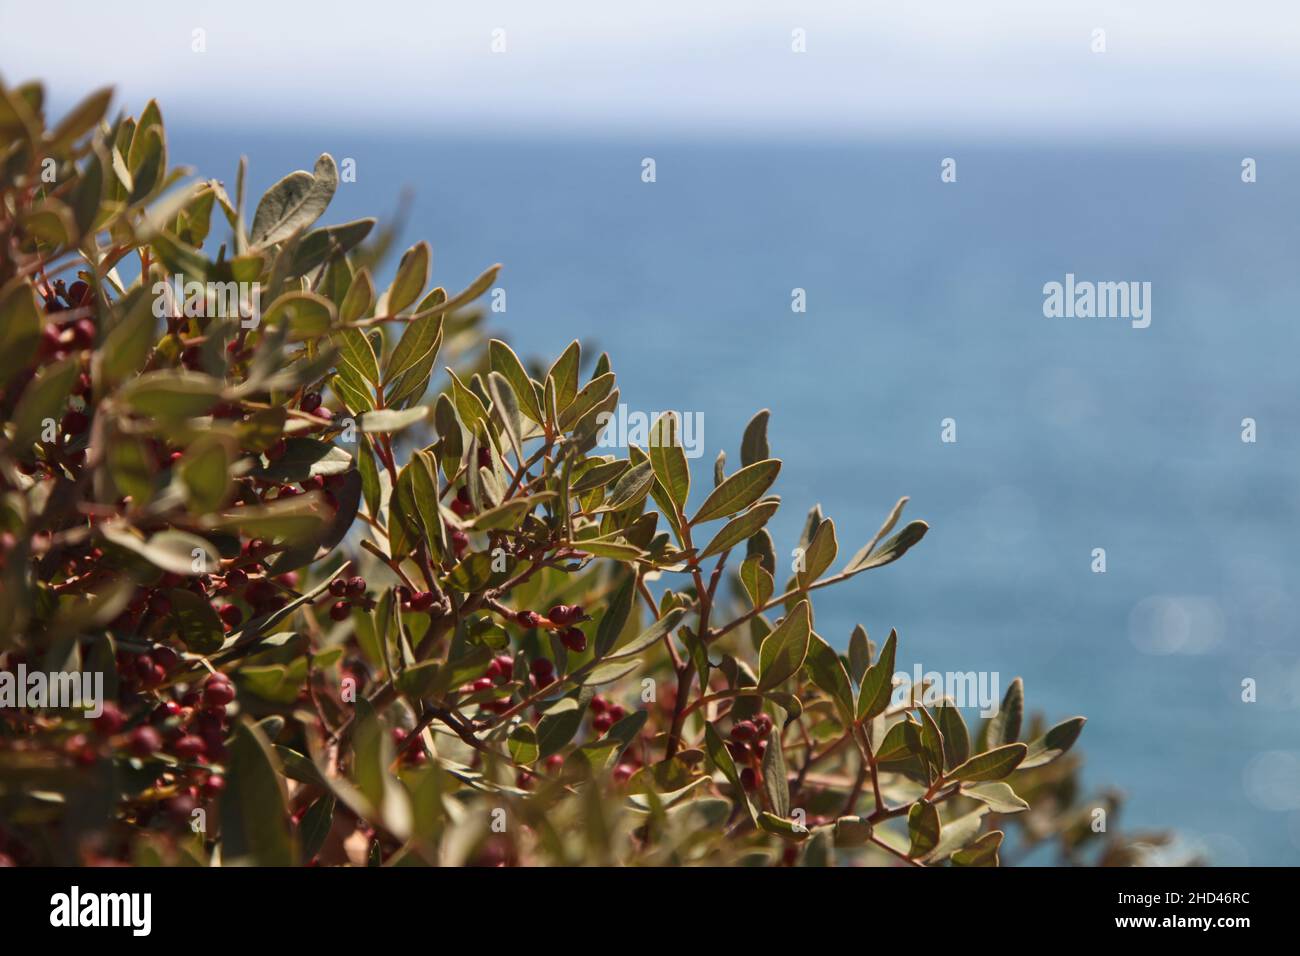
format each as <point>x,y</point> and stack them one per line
<point>924,302</point>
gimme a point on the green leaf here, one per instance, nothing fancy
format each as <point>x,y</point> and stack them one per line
<point>630,490</point>
<point>741,527</point>
<point>591,395</point>
<point>783,651</point>
<point>294,203</point>
<point>306,315</point>
<point>1004,726</point>
<point>357,303</point>
<point>994,765</point>
<point>124,350</point>
<point>43,400</point>
<point>775,784</point>
<point>20,328</point>
<point>254,812</point>
<point>956,738</point>
<point>650,636</point>
<point>669,460</point>
<point>737,492</point>
<point>957,833</point>
<point>505,362</point>
<point>923,826</point>
<point>753,447</point>
<point>172,394</point>
<point>821,552</point>
<point>355,349</point>
<point>878,683</point>
<point>891,550</point>
<point>828,673</point>
<point>859,653</point>
<point>756,579</point>
<point>614,620</point>
<point>197,623</point>
<point>1053,743</point>
<point>315,825</point>
<point>390,420</point>
<point>204,471</point>
<point>176,551</point>
<point>412,276</point>
<point>523,744</point>
<point>998,796</point>
<point>983,852</point>
<point>564,374</point>
<point>560,722</point>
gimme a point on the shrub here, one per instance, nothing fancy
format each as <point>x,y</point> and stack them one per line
<point>351,606</point>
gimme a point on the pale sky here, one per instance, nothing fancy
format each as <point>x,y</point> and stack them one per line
<point>724,67</point>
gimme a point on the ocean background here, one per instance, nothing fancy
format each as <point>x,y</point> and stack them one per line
<point>925,302</point>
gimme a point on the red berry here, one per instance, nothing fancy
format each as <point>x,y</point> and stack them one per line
<point>565,613</point>
<point>339,587</point>
<point>214,785</point>
<point>616,712</point>
<point>601,723</point>
<point>356,587</point>
<point>542,667</point>
<point>505,665</point>
<point>236,579</point>
<point>144,741</point>
<point>310,402</point>
<point>421,601</point>
<point>554,762</point>
<point>485,458</point>
<point>230,615</point>
<point>623,772</point>
<point>743,731</point>
<point>459,541</point>
<point>110,721</point>
<point>340,610</point>
<point>189,747</point>
<point>483,683</point>
<point>217,693</point>
<point>574,639</point>
<point>763,724</point>
<point>74,423</point>
<point>528,618</point>
<point>166,658</point>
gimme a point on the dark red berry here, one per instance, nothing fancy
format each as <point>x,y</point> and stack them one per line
<point>110,721</point>
<point>310,402</point>
<point>340,610</point>
<point>462,508</point>
<point>421,601</point>
<point>189,747</point>
<point>601,723</point>
<point>144,741</point>
<point>528,618</point>
<point>356,587</point>
<point>236,579</point>
<point>214,785</point>
<point>485,458</point>
<point>459,541</point>
<point>230,615</point>
<point>339,587</point>
<point>542,667</point>
<point>217,693</point>
<point>749,779</point>
<point>743,731</point>
<point>574,639</point>
<point>74,423</point>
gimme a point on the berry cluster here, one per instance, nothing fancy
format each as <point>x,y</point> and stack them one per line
<point>748,744</point>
